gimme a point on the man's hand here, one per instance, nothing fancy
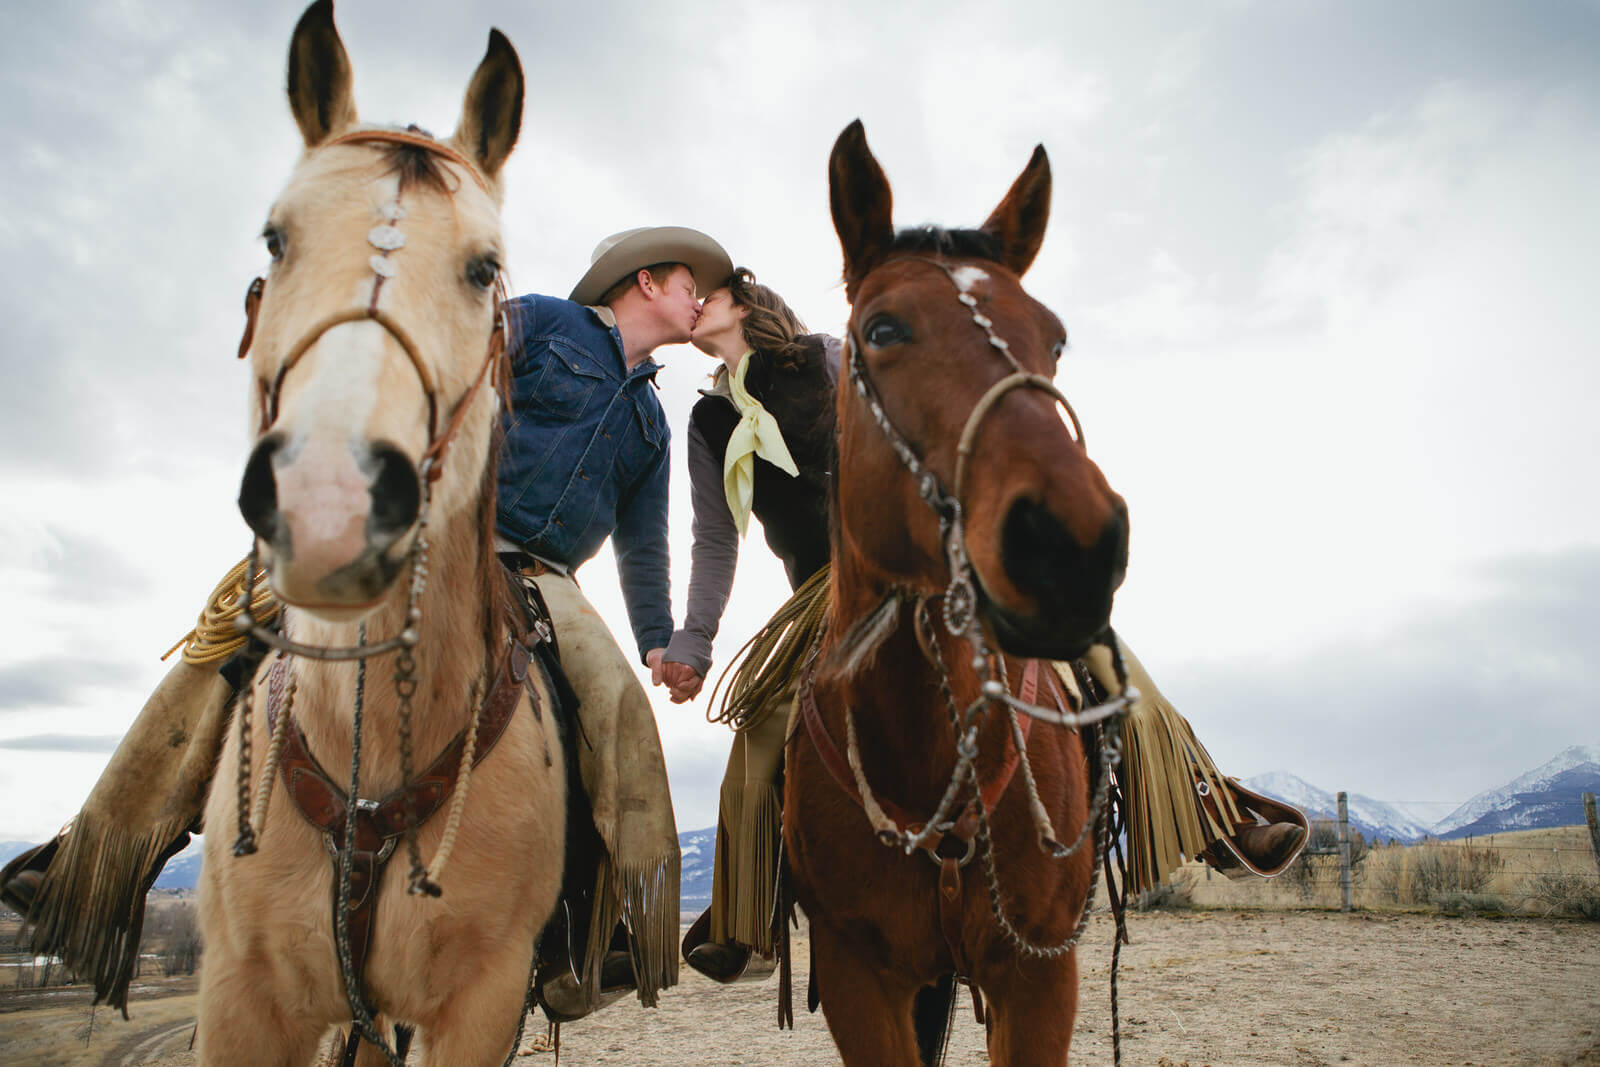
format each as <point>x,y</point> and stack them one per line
<point>683,681</point>
<point>652,659</point>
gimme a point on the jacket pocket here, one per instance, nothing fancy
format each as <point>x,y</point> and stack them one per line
<point>565,383</point>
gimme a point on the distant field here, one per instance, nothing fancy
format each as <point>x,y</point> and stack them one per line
<point>1529,872</point>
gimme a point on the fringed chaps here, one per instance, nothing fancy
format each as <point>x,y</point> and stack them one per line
<point>89,909</point>
<point>1164,768</point>
<point>625,776</point>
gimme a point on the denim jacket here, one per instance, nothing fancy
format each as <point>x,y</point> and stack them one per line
<point>586,455</point>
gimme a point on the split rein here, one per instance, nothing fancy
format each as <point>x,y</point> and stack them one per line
<point>386,239</point>
<point>960,617</point>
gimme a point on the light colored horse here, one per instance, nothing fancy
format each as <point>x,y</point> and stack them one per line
<point>377,322</point>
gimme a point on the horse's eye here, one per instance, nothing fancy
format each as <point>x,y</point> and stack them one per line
<point>274,239</point>
<point>886,330</point>
<point>1058,348</point>
<point>482,272</point>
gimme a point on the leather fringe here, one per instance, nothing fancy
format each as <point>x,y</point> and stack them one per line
<point>730,805</point>
<point>1164,767</point>
<point>753,859</point>
<point>649,906</point>
<point>645,897</point>
<point>90,906</point>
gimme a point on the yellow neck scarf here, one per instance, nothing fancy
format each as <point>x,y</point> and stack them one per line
<point>757,434</point>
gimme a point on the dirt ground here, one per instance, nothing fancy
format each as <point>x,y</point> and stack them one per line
<point>1205,987</point>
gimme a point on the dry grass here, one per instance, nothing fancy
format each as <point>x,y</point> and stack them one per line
<point>1529,872</point>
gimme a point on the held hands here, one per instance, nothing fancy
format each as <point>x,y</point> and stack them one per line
<point>683,681</point>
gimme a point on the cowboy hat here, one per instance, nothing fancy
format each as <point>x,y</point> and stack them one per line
<point>631,250</point>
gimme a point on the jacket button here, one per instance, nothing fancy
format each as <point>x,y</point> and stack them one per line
<point>584,476</point>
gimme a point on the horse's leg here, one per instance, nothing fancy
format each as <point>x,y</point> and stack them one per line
<point>868,1009</point>
<point>1032,1005</point>
<point>368,1054</point>
<point>477,1024</point>
<point>239,1023</point>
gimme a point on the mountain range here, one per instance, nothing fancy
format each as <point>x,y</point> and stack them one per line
<point>1549,795</point>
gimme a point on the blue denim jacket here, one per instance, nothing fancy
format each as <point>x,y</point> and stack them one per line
<point>586,455</point>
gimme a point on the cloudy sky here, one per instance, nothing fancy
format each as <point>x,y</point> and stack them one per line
<point>1328,270</point>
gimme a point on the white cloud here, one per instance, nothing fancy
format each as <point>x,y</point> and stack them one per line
<point>1331,325</point>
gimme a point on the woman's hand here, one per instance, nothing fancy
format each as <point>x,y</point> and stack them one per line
<point>683,681</point>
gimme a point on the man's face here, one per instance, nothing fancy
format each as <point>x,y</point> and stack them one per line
<point>676,304</point>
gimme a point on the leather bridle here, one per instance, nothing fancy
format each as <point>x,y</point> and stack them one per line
<point>432,463</point>
<point>438,441</point>
<point>960,600</point>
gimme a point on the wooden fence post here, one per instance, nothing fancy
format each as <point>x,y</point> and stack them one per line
<point>1344,852</point>
<point>1594,827</point>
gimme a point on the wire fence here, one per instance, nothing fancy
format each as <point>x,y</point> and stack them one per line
<point>1552,873</point>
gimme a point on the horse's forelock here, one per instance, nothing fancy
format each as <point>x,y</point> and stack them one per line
<point>955,244</point>
<point>418,168</point>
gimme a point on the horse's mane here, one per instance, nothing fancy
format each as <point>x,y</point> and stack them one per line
<point>938,241</point>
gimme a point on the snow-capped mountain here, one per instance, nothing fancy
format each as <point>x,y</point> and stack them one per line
<point>698,848</point>
<point>1563,774</point>
<point>183,870</point>
<point>1376,820</point>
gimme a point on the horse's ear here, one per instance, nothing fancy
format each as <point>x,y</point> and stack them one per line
<point>862,205</point>
<point>319,77</point>
<point>491,117</point>
<point>1018,223</point>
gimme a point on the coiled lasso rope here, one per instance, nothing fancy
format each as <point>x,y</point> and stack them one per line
<point>765,668</point>
<point>213,638</point>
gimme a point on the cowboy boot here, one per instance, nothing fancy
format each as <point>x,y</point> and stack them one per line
<point>724,962</point>
<point>20,879</point>
<point>1263,847</point>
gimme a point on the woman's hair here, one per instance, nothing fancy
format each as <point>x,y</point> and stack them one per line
<point>771,327</point>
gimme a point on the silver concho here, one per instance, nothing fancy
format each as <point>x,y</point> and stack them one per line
<point>960,606</point>
<point>386,238</point>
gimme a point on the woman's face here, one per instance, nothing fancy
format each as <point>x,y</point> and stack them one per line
<point>720,320</point>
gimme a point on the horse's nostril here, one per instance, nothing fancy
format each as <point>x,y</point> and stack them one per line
<point>396,493</point>
<point>1044,559</point>
<point>1037,546</point>
<point>258,491</point>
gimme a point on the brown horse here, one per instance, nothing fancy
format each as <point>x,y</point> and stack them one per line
<point>947,385</point>
<point>375,352</point>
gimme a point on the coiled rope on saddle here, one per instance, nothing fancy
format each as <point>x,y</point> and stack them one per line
<point>765,669</point>
<point>214,637</point>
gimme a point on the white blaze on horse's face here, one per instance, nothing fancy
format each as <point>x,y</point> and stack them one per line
<point>373,336</point>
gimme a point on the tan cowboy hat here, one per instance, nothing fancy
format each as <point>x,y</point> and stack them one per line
<point>623,253</point>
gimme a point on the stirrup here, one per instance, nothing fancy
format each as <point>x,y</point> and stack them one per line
<point>1224,855</point>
